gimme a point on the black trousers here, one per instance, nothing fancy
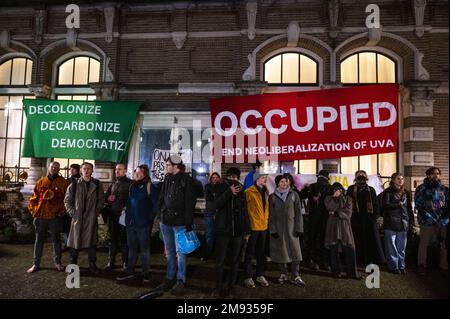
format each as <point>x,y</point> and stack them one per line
<point>231,247</point>
<point>255,247</point>
<point>117,240</point>
<point>92,254</point>
<point>349,259</point>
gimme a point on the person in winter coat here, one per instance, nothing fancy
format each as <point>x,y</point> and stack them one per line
<point>84,201</point>
<point>339,235</point>
<point>431,202</point>
<point>366,211</point>
<point>210,193</point>
<point>116,199</point>
<point>286,225</point>
<point>232,227</point>
<point>139,218</point>
<point>258,212</point>
<point>398,218</point>
<point>74,171</point>
<point>176,214</point>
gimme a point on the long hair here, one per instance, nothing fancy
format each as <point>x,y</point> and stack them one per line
<point>392,183</point>
<point>212,174</point>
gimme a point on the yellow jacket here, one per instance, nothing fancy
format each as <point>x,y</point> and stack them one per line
<point>259,218</point>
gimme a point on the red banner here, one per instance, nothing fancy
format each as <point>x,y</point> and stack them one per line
<point>328,123</point>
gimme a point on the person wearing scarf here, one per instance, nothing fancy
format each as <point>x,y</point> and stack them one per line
<point>398,217</point>
<point>365,214</point>
<point>285,226</point>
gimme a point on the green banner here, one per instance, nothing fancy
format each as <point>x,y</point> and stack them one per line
<point>95,130</point>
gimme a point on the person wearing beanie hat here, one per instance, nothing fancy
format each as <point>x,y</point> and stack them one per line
<point>338,234</point>
<point>258,211</point>
<point>285,225</point>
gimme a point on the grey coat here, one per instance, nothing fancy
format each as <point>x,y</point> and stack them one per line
<point>285,219</point>
<point>339,226</point>
<point>84,209</point>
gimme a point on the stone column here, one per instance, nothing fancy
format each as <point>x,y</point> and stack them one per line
<point>418,136</point>
<point>105,91</point>
<point>38,166</point>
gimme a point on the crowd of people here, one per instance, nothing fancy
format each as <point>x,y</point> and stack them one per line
<point>322,226</point>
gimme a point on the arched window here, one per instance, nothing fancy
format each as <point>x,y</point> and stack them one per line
<point>15,75</point>
<point>73,76</point>
<point>291,68</point>
<point>368,67</point>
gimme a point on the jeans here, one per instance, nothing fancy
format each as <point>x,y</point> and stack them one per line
<point>209,235</point>
<point>349,257</point>
<point>395,243</point>
<point>41,226</point>
<point>255,247</point>
<point>92,255</point>
<point>118,240</point>
<point>138,236</point>
<point>231,246</point>
<point>176,262</point>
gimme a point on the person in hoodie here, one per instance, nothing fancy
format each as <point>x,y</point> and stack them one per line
<point>431,202</point>
<point>232,228</point>
<point>139,216</point>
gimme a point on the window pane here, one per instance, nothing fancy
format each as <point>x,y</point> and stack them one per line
<point>367,70</point>
<point>349,165</point>
<point>64,97</point>
<point>29,70</point>
<point>386,70</point>
<point>308,167</point>
<point>3,119</point>
<point>18,72</point>
<point>24,161</point>
<point>272,70</point>
<point>308,70</point>
<point>2,151</point>
<point>94,70</point>
<point>24,124</point>
<point>14,123</point>
<point>349,70</point>
<point>290,68</point>
<point>65,73</point>
<point>368,163</point>
<point>79,97</point>
<point>388,164</point>
<point>12,152</point>
<point>91,97</point>
<point>81,70</point>
<point>5,72</point>
<point>16,102</point>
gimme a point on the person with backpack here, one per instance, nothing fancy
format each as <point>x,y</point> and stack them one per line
<point>139,218</point>
<point>176,205</point>
<point>84,201</point>
<point>116,199</point>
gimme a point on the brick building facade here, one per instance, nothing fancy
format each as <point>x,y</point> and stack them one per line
<point>175,56</point>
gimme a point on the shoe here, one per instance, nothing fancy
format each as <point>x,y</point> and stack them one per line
<point>216,293</point>
<point>109,266</point>
<point>282,279</point>
<point>178,289</point>
<point>403,271</point>
<point>166,285</point>
<point>249,283</point>
<point>146,277</point>
<point>337,275</point>
<point>312,265</point>
<point>60,267</point>
<point>268,259</point>
<point>124,276</point>
<point>298,282</point>
<point>262,281</point>
<point>32,269</point>
<point>93,268</point>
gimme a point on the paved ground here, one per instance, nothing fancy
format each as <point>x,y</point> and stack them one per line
<point>48,283</point>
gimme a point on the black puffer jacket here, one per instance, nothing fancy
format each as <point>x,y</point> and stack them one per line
<point>231,216</point>
<point>397,212</point>
<point>176,200</point>
<point>120,189</point>
<point>211,191</point>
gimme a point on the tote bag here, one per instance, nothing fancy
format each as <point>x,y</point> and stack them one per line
<point>186,242</point>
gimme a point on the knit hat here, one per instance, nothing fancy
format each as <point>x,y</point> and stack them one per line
<point>323,173</point>
<point>258,175</point>
<point>175,159</point>
<point>337,186</point>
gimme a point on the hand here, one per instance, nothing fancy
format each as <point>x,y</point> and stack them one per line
<point>337,193</point>
<point>189,228</point>
<point>275,235</point>
<point>111,198</point>
<point>235,189</point>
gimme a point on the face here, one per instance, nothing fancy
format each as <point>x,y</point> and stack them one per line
<point>139,174</point>
<point>53,169</point>
<point>74,171</point>
<point>86,171</point>
<point>434,175</point>
<point>283,184</point>
<point>399,181</point>
<point>215,179</point>
<point>261,181</point>
<point>120,170</point>
<point>171,169</point>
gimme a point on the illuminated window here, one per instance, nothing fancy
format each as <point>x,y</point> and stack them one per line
<point>368,68</point>
<point>15,74</point>
<point>291,68</point>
